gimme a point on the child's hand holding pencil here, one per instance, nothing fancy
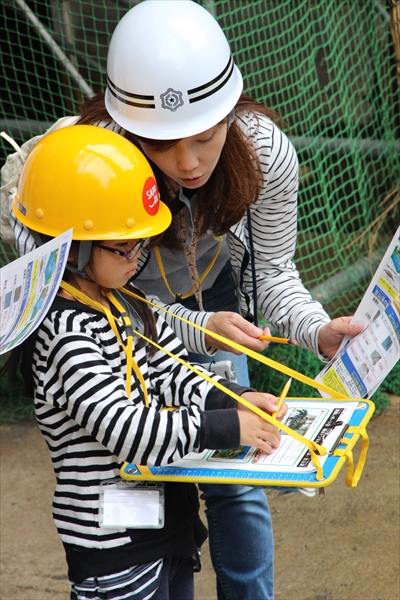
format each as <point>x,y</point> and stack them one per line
<point>254,428</point>
<point>281,400</point>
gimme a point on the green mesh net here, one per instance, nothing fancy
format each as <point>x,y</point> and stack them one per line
<point>327,67</point>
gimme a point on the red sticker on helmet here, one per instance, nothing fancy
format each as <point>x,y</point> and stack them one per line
<point>151,202</point>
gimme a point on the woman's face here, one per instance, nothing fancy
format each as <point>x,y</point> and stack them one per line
<point>190,161</point>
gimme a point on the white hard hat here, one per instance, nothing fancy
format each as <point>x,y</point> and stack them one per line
<point>170,71</point>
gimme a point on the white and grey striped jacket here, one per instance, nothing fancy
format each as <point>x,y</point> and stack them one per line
<point>281,297</point>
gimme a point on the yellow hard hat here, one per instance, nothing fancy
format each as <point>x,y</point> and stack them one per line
<point>93,180</point>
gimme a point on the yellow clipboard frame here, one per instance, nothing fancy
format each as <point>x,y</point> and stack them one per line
<point>321,478</point>
<point>342,454</point>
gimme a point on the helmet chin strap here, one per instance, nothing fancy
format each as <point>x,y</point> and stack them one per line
<point>84,252</point>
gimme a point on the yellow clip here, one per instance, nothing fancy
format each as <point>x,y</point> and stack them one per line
<point>353,476</point>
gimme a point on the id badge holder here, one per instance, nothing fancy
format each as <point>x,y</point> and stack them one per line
<point>131,504</point>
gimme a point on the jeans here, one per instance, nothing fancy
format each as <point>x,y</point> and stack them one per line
<point>240,528</point>
<point>240,540</point>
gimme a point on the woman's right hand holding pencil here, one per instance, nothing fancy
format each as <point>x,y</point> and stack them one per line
<point>234,327</point>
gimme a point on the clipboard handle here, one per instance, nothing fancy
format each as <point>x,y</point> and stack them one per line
<point>353,474</point>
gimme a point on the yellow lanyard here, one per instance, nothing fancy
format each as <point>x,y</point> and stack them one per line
<point>128,347</point>
<point>190,255</point>
<point>201,279</point>
<point>312,446</point>
<point>243,350</point>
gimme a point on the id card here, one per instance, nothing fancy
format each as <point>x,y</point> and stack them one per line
<point>131,504</point>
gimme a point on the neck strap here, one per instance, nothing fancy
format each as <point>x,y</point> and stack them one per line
<point>124,320</point>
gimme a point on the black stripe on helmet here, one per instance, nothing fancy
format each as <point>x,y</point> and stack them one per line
<point>148,101</point>
<point>223,78</point>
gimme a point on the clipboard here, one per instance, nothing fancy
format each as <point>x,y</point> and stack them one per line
<point>337,458</point>
<point>322,477</point>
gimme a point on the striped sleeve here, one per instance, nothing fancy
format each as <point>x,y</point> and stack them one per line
<point>192,339</point>
<point>81,374</point>
<point>282,298</point>
<point>91,426</point>
<point>24,240</point>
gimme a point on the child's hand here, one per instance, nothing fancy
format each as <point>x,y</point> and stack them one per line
<point>255,431</point>
<point>266,402</point>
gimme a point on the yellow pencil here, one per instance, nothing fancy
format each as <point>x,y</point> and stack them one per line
<point>278,340</point>
<point>282,397</point>
<point>281,400</point>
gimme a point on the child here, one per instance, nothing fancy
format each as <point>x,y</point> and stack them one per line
<point>99,388</point>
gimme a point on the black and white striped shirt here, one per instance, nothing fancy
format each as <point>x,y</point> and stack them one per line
<point>92,427</point>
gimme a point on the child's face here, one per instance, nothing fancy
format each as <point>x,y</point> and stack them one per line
<point>109,269</point>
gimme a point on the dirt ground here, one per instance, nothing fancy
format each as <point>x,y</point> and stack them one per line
<point>344,547</point>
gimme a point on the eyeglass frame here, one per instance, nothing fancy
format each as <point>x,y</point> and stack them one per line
<point>128,254</point>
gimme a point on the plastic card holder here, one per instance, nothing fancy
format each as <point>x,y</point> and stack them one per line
<point>131,504</point>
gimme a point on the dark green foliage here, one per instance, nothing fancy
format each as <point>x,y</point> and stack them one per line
<point>381,401</point>
<point>392,381</point>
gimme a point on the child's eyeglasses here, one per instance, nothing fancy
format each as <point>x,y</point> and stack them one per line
<point>131,253</point>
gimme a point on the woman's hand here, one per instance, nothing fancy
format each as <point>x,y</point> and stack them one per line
<point>330,336</point>
<point>234,327</point>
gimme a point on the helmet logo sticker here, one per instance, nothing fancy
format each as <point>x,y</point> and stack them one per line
<point>171,99</point>
<point>151,201</point>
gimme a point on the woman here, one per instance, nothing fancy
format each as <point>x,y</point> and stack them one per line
<point>225,169</point>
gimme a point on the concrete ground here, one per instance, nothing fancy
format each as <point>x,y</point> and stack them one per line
<point>345,547</point>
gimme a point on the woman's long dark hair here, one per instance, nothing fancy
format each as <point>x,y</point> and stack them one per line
<point>233,186</point>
